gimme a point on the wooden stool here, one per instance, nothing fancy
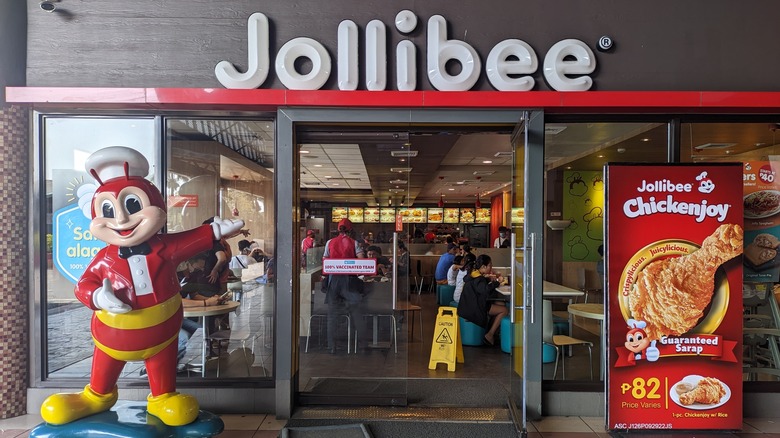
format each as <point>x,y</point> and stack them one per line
<point>405,306</point>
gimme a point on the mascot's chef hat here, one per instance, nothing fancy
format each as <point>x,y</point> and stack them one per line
<point>116,162</point>
<point>118,167</point>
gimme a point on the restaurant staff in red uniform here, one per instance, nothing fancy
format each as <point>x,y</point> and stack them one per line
<point>131,285</point>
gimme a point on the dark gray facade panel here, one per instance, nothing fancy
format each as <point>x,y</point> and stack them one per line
<point>13,30</point>
<point>702,45</point>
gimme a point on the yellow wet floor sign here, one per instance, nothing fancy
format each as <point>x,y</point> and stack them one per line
<point>446,347</point>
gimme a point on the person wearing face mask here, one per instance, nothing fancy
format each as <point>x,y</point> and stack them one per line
<point>502,241</point>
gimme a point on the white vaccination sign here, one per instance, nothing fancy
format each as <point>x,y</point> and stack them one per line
<point>349,266</point>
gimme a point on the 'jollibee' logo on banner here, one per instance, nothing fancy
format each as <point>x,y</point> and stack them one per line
<point>705,184</point>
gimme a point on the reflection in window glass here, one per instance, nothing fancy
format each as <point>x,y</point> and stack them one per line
<point>225,168</point>
<point>67,143</point>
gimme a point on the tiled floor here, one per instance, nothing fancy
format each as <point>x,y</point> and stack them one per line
<point>266,426</point>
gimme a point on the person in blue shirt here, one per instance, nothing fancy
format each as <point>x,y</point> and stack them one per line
<point>445,263</point>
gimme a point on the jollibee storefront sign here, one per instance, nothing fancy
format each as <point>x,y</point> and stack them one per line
<point>674,266</point>
<point>509,65</point>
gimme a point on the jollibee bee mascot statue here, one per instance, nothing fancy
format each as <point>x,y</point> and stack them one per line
<point>132,287</point>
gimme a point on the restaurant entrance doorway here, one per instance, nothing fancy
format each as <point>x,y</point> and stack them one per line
<point>431,168</point>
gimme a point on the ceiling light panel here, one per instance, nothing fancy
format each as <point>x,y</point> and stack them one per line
<point>405,154</point>
<point>705,146</point>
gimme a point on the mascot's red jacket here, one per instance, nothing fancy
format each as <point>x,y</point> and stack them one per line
<point>156,316</point>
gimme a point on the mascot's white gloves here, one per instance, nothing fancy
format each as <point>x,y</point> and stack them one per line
<point>652,352</point>
<point>104,298</point>
<point>226,227</point>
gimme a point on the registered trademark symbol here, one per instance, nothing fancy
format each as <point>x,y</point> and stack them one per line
<point>605,43</point>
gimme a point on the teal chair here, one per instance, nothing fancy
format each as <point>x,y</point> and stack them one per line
<point>470,333</point>
<point>506,335</point>
<point>444,294</point>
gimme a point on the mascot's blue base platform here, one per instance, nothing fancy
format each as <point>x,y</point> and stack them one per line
<point>128,419</point>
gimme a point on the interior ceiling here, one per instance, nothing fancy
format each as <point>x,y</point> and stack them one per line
<point>357,166</point>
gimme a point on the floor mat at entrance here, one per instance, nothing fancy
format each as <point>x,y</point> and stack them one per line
<point>327,431</point>
<point>424,392</point>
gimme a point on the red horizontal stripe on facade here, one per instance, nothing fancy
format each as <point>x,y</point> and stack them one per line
<point>270,99</point>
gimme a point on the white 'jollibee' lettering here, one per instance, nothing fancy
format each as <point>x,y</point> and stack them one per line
<point>441,50</point>
<point>498,67</point>
<point>405,67</point>
<point>307,48</point>
<point>566,65</point>
<point>348,56</point>
<point>257,52</point>
<point>376,56</point>
<point>557,69</point>
<point>405,53</point>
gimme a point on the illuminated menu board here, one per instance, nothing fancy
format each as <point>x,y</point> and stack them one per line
<point>338,213</point>
<point>451,215</point>
<point>518,215</point>
<point>467,215</point>
<point>482,215</point>
<point>387,215</point>
<point>413,215</point>
<point>419,215</point>
<point>371,215</point>
<point>356,215</point>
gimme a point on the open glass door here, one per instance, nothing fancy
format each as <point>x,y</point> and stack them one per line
<point>356,329</point>
<point>525,306</point>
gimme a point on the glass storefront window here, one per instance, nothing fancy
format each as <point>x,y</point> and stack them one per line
<point>755,145</point>
<point>214,168</point>
<point>67,142</point>
<point>225,168</point>
<point>575,154</point>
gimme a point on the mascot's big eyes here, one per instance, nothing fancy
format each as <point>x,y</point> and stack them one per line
<point>107,208</point>
<point>133,204</point>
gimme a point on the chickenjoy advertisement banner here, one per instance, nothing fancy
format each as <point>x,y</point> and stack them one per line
<point>674,265</point>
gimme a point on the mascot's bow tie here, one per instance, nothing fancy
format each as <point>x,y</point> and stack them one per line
<point>127,251</point>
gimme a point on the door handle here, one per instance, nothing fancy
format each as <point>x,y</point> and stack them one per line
<point>532,237</point>
<point>395,270</point>
<point>513,261</point>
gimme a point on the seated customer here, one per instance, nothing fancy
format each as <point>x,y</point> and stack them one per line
<point>245,256</point>
<point>270,270</point>
<point>383,264</point>
<point>196,288</point>
<point>474,305</point>
<point>452,274</point>
<point>468,265</point>
<point>445,262</point>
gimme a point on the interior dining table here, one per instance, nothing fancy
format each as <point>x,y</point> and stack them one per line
<point>593,311</point>
<point>204,312</point>
<point>552,290</point>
